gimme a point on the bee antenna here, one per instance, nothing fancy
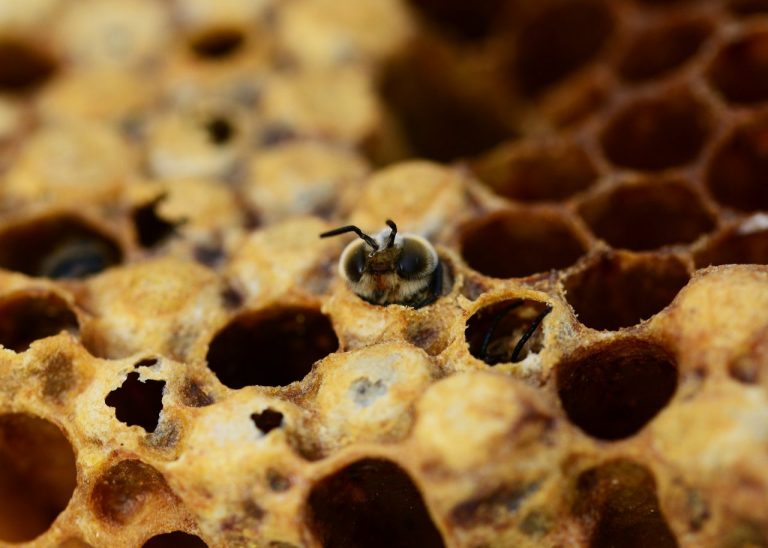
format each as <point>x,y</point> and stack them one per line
<point>352,228</point>
<point>391,241</point>
<point>529,333</point>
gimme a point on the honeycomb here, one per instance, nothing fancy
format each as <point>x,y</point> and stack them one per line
<point>183,365</point>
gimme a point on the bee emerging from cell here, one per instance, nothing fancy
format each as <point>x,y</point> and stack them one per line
<point>390,268</point>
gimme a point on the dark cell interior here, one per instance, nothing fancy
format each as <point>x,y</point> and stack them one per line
<point>538,173</point>
<point>120,492</point>
<point>660,50</point>
<point>620,291</point>
<point>267,420</point>
<point>370,504</point>
<point>23,66</point>
<point>57,247</point>
<point>151,228</point>
<point>37,476</point>
<point>558,40</point>
<point>217,43</point>
<point>27,317</point>
<point>515,244</point>
<point>220,130</point>
<point>441,114</point>
<point>506,331</point>
<point>617,502</point>
<point>138,403</point>
<point>461,19</point>
<point>612,391</point>
<point>647,216</point>
<point>736,174</point>
<point>657,133</point>
<point>748,7</point>
<point>175,539</point>
<point>740,70</point>
<point>272,347</point>
<point>735,247</point>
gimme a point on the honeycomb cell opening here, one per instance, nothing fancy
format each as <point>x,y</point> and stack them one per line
<point>736,173</point>
<point>735,246</point>
<point>559,40</point>
<point>658,51</point>
<point>37,476</point>
<point>217,44</point>
<point>220,130</point>
<point>537,172</point>
<point>272,347</point>
<point>138,403</point>
<point>23,66</point>
<point>267,420</point>
<point>463,20</point>
<point>151,229</point>
<point>618,504</point>
<point>612,391</point>
<point>519,243</point>
<point>27,317</point>
<point>656,133</point>
<point>372,503</point>
<point>739,72</point>
<point>437,113</point>
<point>60,247</point>
<point>506,331</point>
<point>619,290</point>
<point>648,215</point>
<point>121,492</point>
<point>175,539</point>
<point>748,7</point>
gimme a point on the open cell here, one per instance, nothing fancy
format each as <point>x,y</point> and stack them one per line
<point>27,317</point>
<point>656,133</point>
<point>659,50</point>
<point>371,503</point>
<point>618,504</point>
<point>648,215</point>
<point>748,7</point>
<point>519,243</point>
<point>461,19</point>
<point>272,347</point>
<point>217,43</point>
<point>739,72</point>
<point>736,175</point>
<point>60,247</point>
<point>175,539</point>
<point>138,403</point>
<point>558,40</point>
<point>37,476</point>
<point>613,390</point>
<point>537,172</point>
<point>620,290</point>
<point>23,66</point>
<point>741,244</point>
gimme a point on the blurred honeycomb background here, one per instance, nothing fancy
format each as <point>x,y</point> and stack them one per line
<point>183,366</point>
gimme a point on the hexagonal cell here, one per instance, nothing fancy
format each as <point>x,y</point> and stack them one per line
<point>658,50</point>
<point>372,503</point>
<point>620,290</point>
<point>27,317</point>
<point>272,347</point>
<point>740,70</point>
<point>735,175</point>
<point>746,243</point>
<point>557,40</point>
<point>537,171</point>
<point>617,503</point>
<point>506,331</point>
<point>748,7</point>
<point>37,476</point>
<point>519,243</point>
<point>57,247</point>
<point>647,215</point>
<point>463,20</point>
<point>438,110</point>
<point>175,539</point>
<point>23,66</point>
<point>658,132</point>
<point>612,390</point>
<point>123,491</point>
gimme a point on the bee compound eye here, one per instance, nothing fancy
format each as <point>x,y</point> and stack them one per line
<point>354,263</point>
<point>413,259</point>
